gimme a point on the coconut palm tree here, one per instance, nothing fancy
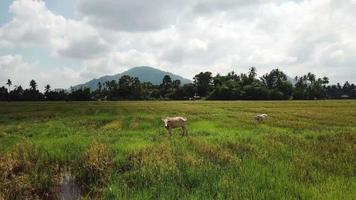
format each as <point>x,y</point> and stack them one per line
<point>9,83</point>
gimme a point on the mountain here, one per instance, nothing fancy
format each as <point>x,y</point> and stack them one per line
<point>143,73</point>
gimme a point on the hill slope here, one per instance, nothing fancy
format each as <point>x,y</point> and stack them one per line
<point>144,73</point>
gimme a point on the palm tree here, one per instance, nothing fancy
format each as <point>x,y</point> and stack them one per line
<point>47,88</point>
<point>99,86</point>
<point>9,83</point>
<point>33,85</point>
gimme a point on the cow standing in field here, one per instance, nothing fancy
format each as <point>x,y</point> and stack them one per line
<point>261,118</point>
<point>175,122</point>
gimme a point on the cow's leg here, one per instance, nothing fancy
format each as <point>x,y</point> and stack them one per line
<point>170,131</point>
<point>185,131</point>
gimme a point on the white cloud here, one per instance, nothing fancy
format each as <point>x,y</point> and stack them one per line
<point>190,36</point>
<point>132,15</point>
<point>33,25</point>
<point>210,6</point>
<point>59,77</point>
<point>14,67</point>
<point>79,40</point>
<point>117,61</point>
<point>12,64</point>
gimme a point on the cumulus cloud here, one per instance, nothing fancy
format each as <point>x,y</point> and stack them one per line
<point>209,6</point>
<point>60,77</point>
<point>21,72</point>
<point>15,68</point>
<point>12,64</point>
<point>189,36</point>
<point>79,40</point>
<point>118,61</point>
<point>132,15</point>
<point>34,25</point>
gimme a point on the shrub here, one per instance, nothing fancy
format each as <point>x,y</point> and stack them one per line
<point>93,169</point>
<point>213,152</point>
<point>27,173</point>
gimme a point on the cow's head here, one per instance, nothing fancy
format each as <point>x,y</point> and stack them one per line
<point>165,123</point>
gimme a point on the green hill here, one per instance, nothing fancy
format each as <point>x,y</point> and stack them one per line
<point>144,73</point>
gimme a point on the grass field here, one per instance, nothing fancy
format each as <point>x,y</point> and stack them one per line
<point>120,150</point>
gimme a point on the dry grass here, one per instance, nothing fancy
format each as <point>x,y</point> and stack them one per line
<point>213,153</point>
<point>27,173</point>
<point>92,171</point>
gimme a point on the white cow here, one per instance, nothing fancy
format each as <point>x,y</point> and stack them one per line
<point>261,117</point>
<point>175,122</point>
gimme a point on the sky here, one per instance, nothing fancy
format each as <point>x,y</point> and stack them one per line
<point>67,42</point>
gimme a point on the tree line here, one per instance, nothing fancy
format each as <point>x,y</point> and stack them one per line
<point>274,85</point>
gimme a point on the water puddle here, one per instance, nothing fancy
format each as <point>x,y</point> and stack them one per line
<point>68,188</point>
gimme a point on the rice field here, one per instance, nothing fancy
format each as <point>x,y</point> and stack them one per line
<point>120,150</point>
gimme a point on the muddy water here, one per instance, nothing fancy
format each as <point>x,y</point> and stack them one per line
<point>68,188</point>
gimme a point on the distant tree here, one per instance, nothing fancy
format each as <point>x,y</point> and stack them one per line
<point>47,88</point>
<point>226,87</point>
<point>254,91</point>
<point>274,79</point>
<point>272,85</point>
<point>249,78</point>
<point>33,85</point>
<point>203,82</point>
<point>252,74</point>
<point>300,87</point>
<point>333,92</point>
<point>353,91</point>
<point>32,94</point>
<point>166,88</point>
<point>147,89</point>
<point>176,83</point>
<point>309,87</point>
<point>317,87</point>
<point>81,94</point>
<point>17,94</point>
<point>189,90</point>
<point>125,83</point>
<point>278,85</point>
<point>252,88</point>
<point>218,80</point>
<point>129,87</point>
<point>337,91</point>
<point>47,91</point>
<point>167,81</point>
<point>99,93</point>
<point>9,83</point>
<point>155,93</point>
<point>111,85</point>
<point>57,95</point>
<point>99,86</point>
<point>4,94</point>
<point>346,88</point>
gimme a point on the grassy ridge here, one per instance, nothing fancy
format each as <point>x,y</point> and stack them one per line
<point>116,150</point>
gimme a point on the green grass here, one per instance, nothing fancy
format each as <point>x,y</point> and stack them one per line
<point>120,150</point>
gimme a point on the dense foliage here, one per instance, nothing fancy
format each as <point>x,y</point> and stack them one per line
<point>246,86</point>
